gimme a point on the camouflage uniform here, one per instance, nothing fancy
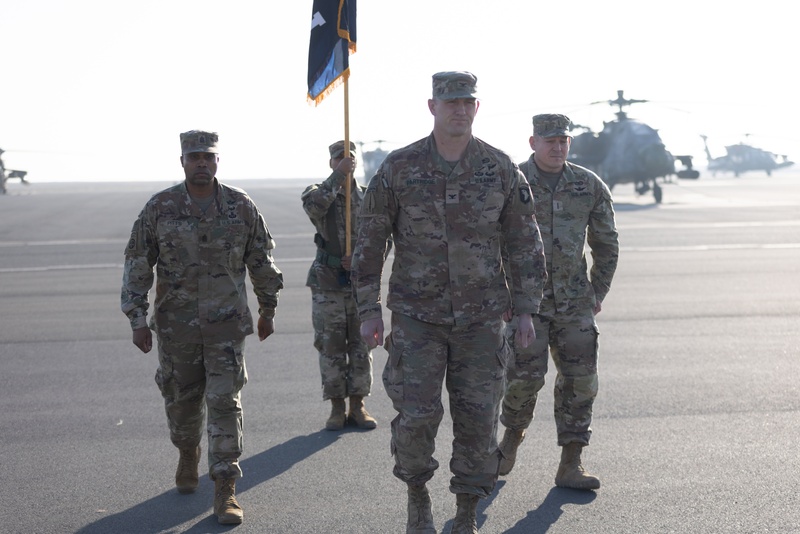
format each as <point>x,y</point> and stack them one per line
<point>447,292</point>
<point>201,316</point>
<point>345,362</point>
<point>579,207</point>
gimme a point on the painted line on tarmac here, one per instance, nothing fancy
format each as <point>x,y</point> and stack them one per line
<point>61,268</point>
<point>704,248</point>
<point>88,266</point>
<point>307,261</point>
<point>62,242</point>
<point>106,241</point>
<point>731,224</point>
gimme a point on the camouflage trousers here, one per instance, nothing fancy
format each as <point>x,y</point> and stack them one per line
<point>572,341</point>
<point>471,361</point>
<point>345,362</point>
<point>195,377</point>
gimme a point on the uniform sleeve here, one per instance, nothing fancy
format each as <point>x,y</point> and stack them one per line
<point>603,240</point>
<point>141,255</point>
<point>371,249</point>
<point>525,266</point>
<point>317,199</point>
<point>267,279</point>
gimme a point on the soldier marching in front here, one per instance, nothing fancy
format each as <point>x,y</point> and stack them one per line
<point>449,200</point>
<point>202,237</point>
<point>573,207</point>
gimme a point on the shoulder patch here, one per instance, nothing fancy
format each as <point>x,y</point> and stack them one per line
<point>525,194</point>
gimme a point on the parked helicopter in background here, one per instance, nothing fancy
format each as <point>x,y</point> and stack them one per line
<point>372,159</point>
<point>8,174</point>
<point>628,151</point>
<point>742,157</point>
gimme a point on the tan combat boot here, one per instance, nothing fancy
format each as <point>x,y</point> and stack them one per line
<point>466,520</point>
<point>338,416</point>
<point>226,508</point>
<point>420,517</point>
<point>571,473</point>
<point>358,414</point>
<point>186,474</point>
<point>508,449</point>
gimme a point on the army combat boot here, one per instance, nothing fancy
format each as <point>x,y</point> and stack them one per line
<point>508,449</point>
<point>571,473</point>
<point>226,508</point>
<point>337,417</point>
<point>186,474</point>
<point>358,414</point>
<point>466,520</point>
<point>420,517</point>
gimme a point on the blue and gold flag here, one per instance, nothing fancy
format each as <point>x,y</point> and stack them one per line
<point>333,39</point>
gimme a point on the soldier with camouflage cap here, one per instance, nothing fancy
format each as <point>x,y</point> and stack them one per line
<point>449,200</point>
<point>202,237</point>
<point>345,361</point>
<point>573,207</point>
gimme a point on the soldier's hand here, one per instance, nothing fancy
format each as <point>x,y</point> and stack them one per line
<point>265,328</point>
<point>598,307</point>
<point>143,338</point>
<point>508,315</point>
<point>372,332</point>
<point>346,166</point>
<point>347,261</point>
<point>525,332</point>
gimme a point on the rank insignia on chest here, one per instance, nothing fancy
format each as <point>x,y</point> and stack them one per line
<point>557,205</point>
<point>452,197</point>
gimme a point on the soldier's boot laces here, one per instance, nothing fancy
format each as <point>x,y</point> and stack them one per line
<point>508,449</point>
<point>338,416</point>
<point>358,414</point>
<point>226,508</point>
<point>466,520</point>
<point>571,473</point>
<point>186,474</point>
<point>420,517</point>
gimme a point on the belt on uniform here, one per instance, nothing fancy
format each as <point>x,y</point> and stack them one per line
<point>326,259</point>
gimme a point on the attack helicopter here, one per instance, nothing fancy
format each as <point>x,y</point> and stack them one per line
<point>8,174</point>
<point>742,157</point>
<point>628,151</point>
<point>372,159</point>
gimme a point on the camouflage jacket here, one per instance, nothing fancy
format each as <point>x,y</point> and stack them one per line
<point>325,206</point>
<point>579,211</point>
<point>201,261</point>
<point>448,227</point>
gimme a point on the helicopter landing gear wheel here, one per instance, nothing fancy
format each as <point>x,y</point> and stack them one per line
<point>657,193</point>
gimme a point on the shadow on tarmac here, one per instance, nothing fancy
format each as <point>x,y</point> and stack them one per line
<point>171,509</point>
<point>540,520</point>
<point>537,521</point>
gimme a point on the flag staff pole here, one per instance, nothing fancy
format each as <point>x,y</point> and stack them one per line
<point>349,176</point>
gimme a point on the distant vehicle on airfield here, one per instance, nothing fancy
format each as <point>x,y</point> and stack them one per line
<point>628,151</point>
<point>742,157</point>
<point>8,174</point>
<point>372,158</point>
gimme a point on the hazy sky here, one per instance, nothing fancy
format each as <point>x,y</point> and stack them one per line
<point>100,89</point>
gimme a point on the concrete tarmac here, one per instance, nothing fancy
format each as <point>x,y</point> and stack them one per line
<point>695,426</point>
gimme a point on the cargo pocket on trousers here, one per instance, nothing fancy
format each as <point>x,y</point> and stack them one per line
<point>164,379</point>
<point>393,370</point>
<point>504,356</point>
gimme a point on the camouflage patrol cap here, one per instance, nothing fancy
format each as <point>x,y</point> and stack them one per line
<point>551,125</point>
<point>337,149</point>
<point>199,141</point>
<point>454,84</point>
